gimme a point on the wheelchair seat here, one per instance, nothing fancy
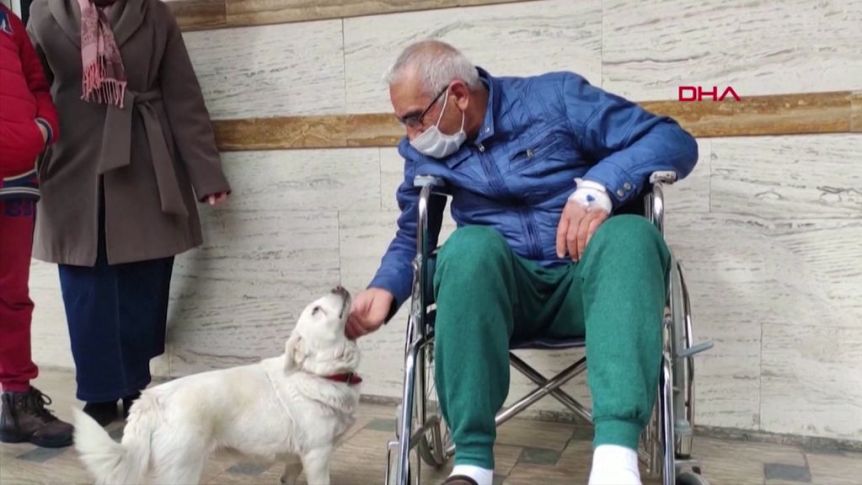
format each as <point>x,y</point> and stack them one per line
<point>549,344</point>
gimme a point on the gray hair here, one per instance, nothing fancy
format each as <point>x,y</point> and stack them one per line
<point>437,64</point>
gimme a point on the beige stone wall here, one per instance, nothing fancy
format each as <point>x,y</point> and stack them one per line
<point>767,227</point>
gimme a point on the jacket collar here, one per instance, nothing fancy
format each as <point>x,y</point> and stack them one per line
<point>126,18</point>
<point>487,129</point>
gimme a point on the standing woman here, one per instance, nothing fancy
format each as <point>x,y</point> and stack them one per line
<point>119,190</point>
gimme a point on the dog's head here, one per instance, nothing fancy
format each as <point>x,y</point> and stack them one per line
<point>318,344</point>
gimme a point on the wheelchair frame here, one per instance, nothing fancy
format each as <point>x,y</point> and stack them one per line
<point>666,442</point>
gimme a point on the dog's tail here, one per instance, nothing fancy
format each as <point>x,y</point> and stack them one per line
<point>111,462</point>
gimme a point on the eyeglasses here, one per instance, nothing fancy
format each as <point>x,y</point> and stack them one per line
<point>413,120</point>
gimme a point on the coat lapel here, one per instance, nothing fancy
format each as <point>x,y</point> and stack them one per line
<point>129,21</point>
<point>67,14</point>
<point>126,18</point>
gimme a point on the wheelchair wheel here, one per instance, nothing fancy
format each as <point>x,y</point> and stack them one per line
<point>689,477</point>
<point>437,440</point>
<point>433,446</point>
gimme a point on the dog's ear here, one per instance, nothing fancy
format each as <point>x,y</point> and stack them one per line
<point>294,353</point>
<point>343,356</point>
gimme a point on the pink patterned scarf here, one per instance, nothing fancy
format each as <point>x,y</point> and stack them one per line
<point>104,76</point>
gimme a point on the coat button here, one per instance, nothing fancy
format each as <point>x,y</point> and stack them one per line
<point>627,186</point>
<point>481,148</point>
<point>620,193</point>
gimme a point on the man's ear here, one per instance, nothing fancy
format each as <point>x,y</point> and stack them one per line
<point>462,94</point>
<point>294,353</point>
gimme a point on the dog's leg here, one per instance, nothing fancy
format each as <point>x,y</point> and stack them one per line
<point>181,473</point>
<point>292,469</point>
<point>316,465</point>
<point>182,466</point>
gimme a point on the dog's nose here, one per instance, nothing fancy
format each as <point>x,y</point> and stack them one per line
<point>339,290</point>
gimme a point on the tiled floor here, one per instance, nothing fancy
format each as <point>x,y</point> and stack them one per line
<point>527,453</point>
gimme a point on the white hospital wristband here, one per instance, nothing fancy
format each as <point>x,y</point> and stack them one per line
<point>591,194</point>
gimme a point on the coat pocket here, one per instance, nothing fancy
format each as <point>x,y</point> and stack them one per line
<point>21,144</point>
<point>535,151</point>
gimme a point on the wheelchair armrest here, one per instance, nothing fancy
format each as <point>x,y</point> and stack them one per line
<point>654,201</point>
<point>654,198</point>
<point>422,181</point>
<point>666,177</point>
<point>430,186</point>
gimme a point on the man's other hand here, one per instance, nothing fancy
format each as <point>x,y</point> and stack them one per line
<point>577,226</point>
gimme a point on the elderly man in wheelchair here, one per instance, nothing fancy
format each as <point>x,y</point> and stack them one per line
<point>540,171</point>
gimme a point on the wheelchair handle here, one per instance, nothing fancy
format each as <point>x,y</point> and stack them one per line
<point>423,181</point>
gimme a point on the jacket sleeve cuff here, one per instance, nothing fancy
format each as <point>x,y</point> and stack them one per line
<point>216,183</point>
<point>399,287</point>
<point>590,194</point>
<point>620,186</point>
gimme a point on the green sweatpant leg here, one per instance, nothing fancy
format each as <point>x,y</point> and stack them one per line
<point>486,296</point>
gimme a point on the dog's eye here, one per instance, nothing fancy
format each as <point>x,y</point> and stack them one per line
<point>316,309</point>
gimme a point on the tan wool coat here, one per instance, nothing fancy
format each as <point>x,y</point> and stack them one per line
<point>154,158</point>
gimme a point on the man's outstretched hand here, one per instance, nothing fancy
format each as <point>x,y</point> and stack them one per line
<point>368,312</point>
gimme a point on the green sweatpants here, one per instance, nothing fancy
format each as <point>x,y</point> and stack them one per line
<point>487,296</point>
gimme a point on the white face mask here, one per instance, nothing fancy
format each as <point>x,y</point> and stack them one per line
<point>436,144</point>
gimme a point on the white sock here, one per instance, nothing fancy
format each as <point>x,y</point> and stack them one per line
<point>615,465</point>
<point>482,476</point>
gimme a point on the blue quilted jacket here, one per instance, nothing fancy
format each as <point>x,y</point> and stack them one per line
<point>539,134</point>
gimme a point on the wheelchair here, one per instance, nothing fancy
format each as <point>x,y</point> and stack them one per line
<point>666,443</point>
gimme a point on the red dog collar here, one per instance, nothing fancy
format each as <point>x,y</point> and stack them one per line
<point>348,377</point>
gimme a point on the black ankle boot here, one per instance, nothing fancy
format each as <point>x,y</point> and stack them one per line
<point>103,412</point>
<point>127,403</point>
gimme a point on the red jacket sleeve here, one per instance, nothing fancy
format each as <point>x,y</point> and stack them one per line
<point>32,65</point>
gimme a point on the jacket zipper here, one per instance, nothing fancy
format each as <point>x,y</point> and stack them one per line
<point>525,213</point>
<point>491,171</point>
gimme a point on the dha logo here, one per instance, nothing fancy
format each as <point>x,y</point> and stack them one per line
<point>696,93</point>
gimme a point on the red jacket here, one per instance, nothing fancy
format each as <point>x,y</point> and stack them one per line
<point>25,99</point>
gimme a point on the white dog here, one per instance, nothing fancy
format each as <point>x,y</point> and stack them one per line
<point>292,407</point>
